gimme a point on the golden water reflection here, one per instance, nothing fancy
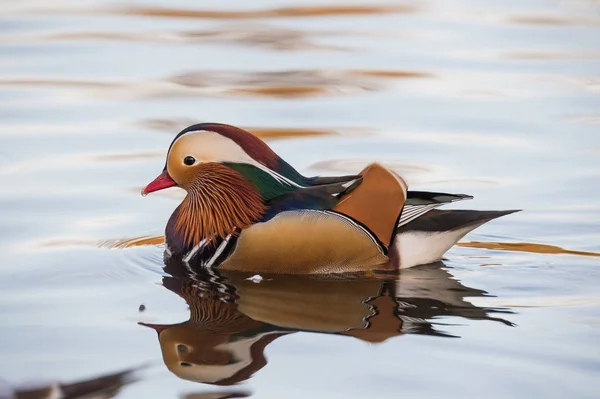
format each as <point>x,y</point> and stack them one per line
<point>281,12</point>
<point>554,20</point>
<point>261,36</point>
<point>277,84</point>
<point>295,83</point>
<point>254,34</point>
<point>525,247</point>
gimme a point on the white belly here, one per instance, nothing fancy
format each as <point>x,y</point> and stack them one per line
<point>422,247</point>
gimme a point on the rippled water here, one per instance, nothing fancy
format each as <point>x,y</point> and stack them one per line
<point>499,99</point>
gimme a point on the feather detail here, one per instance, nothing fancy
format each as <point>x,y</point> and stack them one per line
<point>419,203</point>
<point>218,202</point>
<point>323,197</point>
<point>322,180</point>
<point>269,183</point>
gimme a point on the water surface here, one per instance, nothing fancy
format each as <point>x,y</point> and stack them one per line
<point>498,99</point>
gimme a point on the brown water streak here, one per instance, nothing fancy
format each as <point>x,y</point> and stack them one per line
<point>278,84</point>
<point>525,247</point>
<point>549,56</point>
<point>282,12</point>
<point>553,20</point>
<point>281,91</point>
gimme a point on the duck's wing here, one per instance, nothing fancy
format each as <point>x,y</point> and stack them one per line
<point>420,202</point>
<point>321,180</point>
<point>319,197</point>
<point>441,220</point>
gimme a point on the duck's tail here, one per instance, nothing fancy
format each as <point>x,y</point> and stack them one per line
<point>426,239</point>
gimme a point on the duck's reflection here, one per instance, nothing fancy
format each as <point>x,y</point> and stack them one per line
<point>233,318</point>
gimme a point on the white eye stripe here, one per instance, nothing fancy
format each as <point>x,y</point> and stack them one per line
<point>207,146</point>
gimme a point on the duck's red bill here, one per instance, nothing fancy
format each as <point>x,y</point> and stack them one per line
<point>161,182</point>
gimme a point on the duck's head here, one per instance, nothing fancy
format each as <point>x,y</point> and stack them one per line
<point>211,147</point>
<point>229,175</point>
<point>218,344</point>
<point>204,353</point>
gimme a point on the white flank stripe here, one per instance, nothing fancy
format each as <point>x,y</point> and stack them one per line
<point>190,255</point>
<point>218,252</point>
<point>209,146</point>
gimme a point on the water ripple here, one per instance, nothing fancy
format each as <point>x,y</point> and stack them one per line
<point>277,84</point>
<point>258,35</point>
<point>554,20</point>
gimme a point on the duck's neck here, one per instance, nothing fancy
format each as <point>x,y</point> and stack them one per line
<point>218,204</point>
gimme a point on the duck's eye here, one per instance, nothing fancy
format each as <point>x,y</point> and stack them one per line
<point>189,161</point>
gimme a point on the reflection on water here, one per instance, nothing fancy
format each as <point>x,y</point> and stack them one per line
<point>281,39</point>
<point>526,247</point>
<point>101,387</point>
<point>233,318</point>
<point>278,84</point>
<point>555,20</point>
<point>283,12</point>
<point>496,99</point>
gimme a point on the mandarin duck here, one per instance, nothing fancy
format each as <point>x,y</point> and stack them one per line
<point>247,209</point>
<point>233,319</point>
